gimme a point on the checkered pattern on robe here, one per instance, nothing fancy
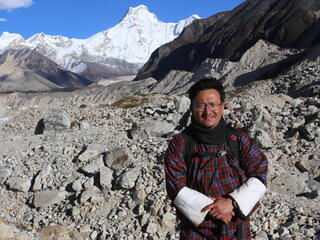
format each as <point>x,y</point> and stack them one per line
<point>214,177</point>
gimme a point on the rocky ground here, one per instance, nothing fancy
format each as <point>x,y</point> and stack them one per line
<point>95,171</point>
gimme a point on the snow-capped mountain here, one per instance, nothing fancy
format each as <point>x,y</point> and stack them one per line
<point>120,50</point>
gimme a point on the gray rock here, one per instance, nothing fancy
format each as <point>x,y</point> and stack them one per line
<point>313,109</point>
<point>296,102</point>
<point>310,233</point>
<point>300,121</point>
<point>6,231</point>
<point>89,182</point>
<point>5,171</point>
<point>149,111</point>
<point>47,198</point>
<point>76,213</point>
<point>77,185</point>
<point>313,185</point>
<point>139,209</point>
<point>84,125</point>
<point>170,105</point>
<point>57,121</point>
<point>152,228</point>
<point>283,231</point>
<point>169,216</point>
<point>88,193</point>
<point>139,194</point>
<point>40,178</point>
<point>88,154</point>
<point>287,183</point>
<point>118,158</point>
<point>19,184</point>
<point>182,104</point>
<point>127,180</point>
<point>59,233</point>
<point>262,235</point>
<point>4,112</point>
<point>305,133</point>
<point>263,139</point>
<point>106,177</point>
<point>151,129</point>
<point>94,167</point>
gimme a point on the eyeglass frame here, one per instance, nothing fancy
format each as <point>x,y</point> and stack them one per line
<point>209,105</point>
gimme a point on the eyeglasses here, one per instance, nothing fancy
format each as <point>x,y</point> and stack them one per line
<point>199,107</point>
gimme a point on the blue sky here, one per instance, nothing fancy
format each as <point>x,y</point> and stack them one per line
<point>83,18</point>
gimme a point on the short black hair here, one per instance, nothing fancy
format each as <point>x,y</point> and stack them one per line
<point>205,84</point>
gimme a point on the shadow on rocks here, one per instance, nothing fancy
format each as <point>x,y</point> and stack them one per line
<point>303,133</point>
<point>310,195</point>
<point>183,122</point>
<point>40,127</point>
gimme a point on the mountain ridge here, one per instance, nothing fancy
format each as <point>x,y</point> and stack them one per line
<point>26,70</point>
<point>284,23</point>
<point>131,41</point>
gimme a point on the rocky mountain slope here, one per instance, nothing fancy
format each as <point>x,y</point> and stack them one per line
<point>84,170</point>
<point>120,50</point>
<point>262,61</point>
<point>293,24</point>
<point>26,70</point>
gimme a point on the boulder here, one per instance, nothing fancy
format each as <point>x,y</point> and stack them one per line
<point>88,155</point>
<point>94,167</point>
<point>59,233</point>
<point>106,178</point>
<point>48,198</point>
<point>127,180</point>
<point>117,158</point>
<point>182,104</point>
<point>40,178</point>
<point>55,121</point>
<point>6,231</point>
<point>151,129</point>
<point>20,184</point>
<point>263,139</point>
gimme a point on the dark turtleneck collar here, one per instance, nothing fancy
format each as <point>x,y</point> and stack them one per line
<point>216,135</point>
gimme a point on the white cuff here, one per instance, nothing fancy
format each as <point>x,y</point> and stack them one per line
<point>190,202</point>
<point>249,194</point>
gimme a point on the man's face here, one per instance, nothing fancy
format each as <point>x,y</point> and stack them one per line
<point>207,108</point>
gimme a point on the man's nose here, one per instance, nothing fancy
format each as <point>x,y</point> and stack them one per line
<point>206,109</point>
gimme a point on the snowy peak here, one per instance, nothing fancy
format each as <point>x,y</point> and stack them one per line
<point>137,17</point>
<point>140,12</point>
<point>7,35</point>
<point>141,8</point>
<point>131,41</point>
<point>7,38</point>
<point>183,23</point>
<point>190,19</point>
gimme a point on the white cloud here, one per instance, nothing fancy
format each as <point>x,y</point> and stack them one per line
<point>3,20</point>
<point>12,4</point>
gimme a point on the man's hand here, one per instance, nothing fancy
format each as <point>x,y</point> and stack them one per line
<point>221,209</point>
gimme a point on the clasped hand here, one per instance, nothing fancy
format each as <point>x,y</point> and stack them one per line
<point>221,209</point>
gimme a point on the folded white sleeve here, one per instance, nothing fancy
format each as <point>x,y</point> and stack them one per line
<point>249,194</point>
<point>190,203</point>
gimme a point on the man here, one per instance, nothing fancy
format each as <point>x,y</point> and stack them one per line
<point>214,190</point>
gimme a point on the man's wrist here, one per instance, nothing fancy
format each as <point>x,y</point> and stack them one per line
<point>234,204</point>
